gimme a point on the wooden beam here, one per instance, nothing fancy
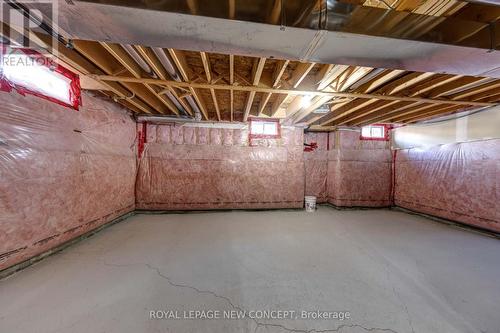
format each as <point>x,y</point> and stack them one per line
<point>206,66</point>
<point>279,71</point>
<point>277,74</point>
<point>193,6</point>
<point>148,55</point>
<point>363,116</point>
<point>382,105</point>
<point>429,113</point>
<point>232,9</point>
<point>492,96</point>
<point>283,91</point>
<point>379,80</point>
<point>325,76</point>
<point>298,75</point>
<point>460,83</point>
<point>450,85</point>
<point>331,76</point>
<point>179,59</point>
<point>231,82</point>
<point>119,53</point>
<point>429,85</point>
<point>316,103</point>
<point>359,109</point>
<point>258,67</point>
<point>404,82</point>
<point>476,90</point>
<point>123,91</point>
<point>216,104</point>
<point>342,110</point>
<point>429,108</point>
<point>418,107</point>
<point>350,76</point>
<point>371,118</point>
<point>275,14</point>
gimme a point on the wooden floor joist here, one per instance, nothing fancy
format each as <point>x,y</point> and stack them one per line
<point>111,78</point>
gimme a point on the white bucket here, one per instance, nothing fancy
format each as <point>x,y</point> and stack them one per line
<point>310,203</point>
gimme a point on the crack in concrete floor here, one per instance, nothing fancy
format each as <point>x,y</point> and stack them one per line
<point>257,323</point>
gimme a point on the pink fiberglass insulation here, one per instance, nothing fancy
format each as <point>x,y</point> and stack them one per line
<point>316,166</point>
<point>359,171</point>
<point>216,168</point>
<point>460,182</point>
<point>62,172</point>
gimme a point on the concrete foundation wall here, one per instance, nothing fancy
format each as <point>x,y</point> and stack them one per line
<point>359,171</point>
<point>215,168</point>
<point>316,165</point>
<point>62,172</point>
<point>347,171</point>
<point>459,181</point>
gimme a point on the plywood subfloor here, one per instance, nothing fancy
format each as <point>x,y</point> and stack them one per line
<point>392,271</point>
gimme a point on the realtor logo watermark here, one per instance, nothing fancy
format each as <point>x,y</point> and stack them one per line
<point>208,314</point>
<point>26,21</point>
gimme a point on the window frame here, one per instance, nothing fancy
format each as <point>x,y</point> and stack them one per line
<point>264,136</point>
<point>385,129</point>
<point>74,86</point>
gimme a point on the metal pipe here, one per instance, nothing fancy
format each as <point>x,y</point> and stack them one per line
<point>189,122</point>
<point>175,101</point>
<point>485,2</point>
<point>138,59</point>
<point>169,67</point>
<point>144,65</point>
<point>167,64</point>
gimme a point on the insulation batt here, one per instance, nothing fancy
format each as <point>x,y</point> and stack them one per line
<point>216,168</point>
<point>316,166</point>
<point>460,182</point>
<point>62,172</point>
<point>359,171</point>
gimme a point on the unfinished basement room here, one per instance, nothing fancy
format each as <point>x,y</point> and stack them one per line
<point>250,166</point>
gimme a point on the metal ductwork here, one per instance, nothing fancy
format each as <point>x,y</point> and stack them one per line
<point>167,64</point>
<point>170,68</point>
<point>485,2</point>
<point>138,59</point>
<point>321,37</point>
<point>144,65</point>
<point>188,122</point>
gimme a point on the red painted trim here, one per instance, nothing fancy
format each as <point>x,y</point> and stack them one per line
<point>386,133</point>
<point>263,136</point>
<point>143,139</point>
<point>393,178</point>
<point>75,90</point>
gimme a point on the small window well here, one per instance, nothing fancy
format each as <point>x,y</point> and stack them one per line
<point>374,132</point>
<point>264,128</point>
<point>29,72</point>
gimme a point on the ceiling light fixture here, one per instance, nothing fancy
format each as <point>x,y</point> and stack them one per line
<point>306,101</point>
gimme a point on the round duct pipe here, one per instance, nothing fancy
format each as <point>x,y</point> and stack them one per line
<point>485,2</point>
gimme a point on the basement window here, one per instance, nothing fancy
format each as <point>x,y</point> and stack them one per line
<point>374,132</point>
<point>265,128</point>
<point>29,72</point>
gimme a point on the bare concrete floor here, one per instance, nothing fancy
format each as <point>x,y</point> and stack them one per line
<point>391,271</point>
